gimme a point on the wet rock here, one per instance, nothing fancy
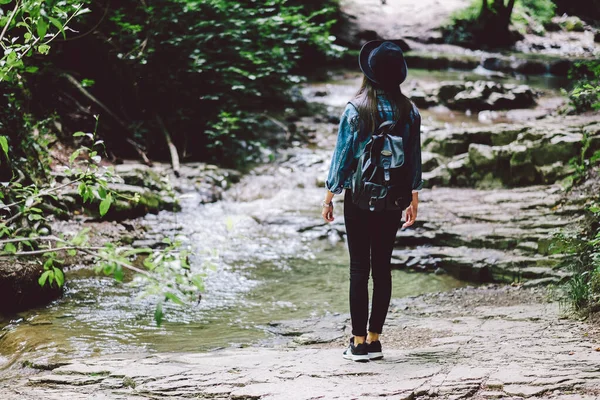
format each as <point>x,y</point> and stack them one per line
<point>430,161</point>
<point>448,90</point>
<point>572,24</point>
<point>532,67</point>
<point>440,176</point>
<point>422,99</point>
<point>555,172</point>
<point>558,148</point>
<point>482,95</point>
<point>136,174</point>
<point>497,64</point>
<point>561,67</point>
<point>19,287</point>
<point>481,156</point>
<point>333,119</point>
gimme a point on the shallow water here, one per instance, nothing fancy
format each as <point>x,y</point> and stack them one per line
<point>262,275</point>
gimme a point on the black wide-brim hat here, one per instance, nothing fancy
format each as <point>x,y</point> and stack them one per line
<point>383,63</point>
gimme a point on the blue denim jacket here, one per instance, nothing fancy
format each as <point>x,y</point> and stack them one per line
<point>349,147</point>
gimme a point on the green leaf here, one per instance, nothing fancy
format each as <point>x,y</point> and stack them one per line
<point>58,25</point>
<point>5,1</point>
<point>118,273</point>
<point>174,299</point>
<point>4,144</point>
<point>105,205</point>
<point>42,280</point>
<point>44,49</point>
<point>72,252</point>
<point>73,156</point>
<point>59,276</point>
<point>158,313</point>
<point>108,269</point>
<point>10,248</point>
<point>42,28</point>
<point>51,276</point>
<point>198,281</point>
<point>78,134</point>
<point>49,263</point>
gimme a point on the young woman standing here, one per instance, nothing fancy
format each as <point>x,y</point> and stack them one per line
<point>371,234</point>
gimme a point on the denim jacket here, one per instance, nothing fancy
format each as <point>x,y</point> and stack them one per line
<point>349,147</point>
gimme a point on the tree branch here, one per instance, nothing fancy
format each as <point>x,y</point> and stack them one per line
<point>91,97</point>
<point>12,15</point>
<point>172,148</point>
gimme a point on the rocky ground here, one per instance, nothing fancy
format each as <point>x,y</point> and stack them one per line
<point>491,342</point>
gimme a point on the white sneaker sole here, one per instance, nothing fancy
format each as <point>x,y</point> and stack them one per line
<point>376,356</point>
<point>358,358</point>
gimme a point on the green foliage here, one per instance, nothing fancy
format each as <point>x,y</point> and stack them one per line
<point>210,68</point>
<point>530,16</point>
<point>26,233</point>
<point>585,95</point>
<point>30,27</point>
<point>469,26</point>
<point>583,289</point>
<point>584,162</point>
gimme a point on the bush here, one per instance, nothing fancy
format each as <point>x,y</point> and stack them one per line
<point>585,95</point>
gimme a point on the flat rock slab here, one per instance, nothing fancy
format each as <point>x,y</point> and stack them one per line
<point>481,343</point>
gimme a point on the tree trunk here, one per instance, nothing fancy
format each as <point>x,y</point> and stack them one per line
<point>494,23</point>
<point>485,10</point>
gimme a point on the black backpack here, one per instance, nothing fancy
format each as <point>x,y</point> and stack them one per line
<point>381,179</point>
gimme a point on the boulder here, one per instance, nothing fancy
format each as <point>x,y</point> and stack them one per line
<point>522,169</point>
<point>448,90</point>
<point>481,156</point>
<point>487,95</point>
<point>430,161</point>
<point>555,172</point>
<point>422,99</point>
<point>438,177</point>
<point>558,148</point>
<point>572,24</point>
<point>561,67</point>
<point>501,101</point>
<point>497,64</point>
<point>19,287</point>
<point>460,170</point>
<point>532,67</point>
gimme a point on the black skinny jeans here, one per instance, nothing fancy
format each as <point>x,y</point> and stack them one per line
<point>371,237</point>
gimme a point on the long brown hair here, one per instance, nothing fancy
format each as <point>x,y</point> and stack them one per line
<point>366,103</point>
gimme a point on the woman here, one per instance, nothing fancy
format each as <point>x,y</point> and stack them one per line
<point>371,234</point>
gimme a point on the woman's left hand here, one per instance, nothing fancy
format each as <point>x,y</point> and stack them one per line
<point>411,215</point>
<point>327,213</point>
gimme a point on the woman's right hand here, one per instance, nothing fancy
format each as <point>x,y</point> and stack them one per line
<point>327,213</point>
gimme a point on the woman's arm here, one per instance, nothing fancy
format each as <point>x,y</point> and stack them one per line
<point>412,210</point>
<point>341,161</point>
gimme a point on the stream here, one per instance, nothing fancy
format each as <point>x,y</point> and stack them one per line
<point>266,253</point>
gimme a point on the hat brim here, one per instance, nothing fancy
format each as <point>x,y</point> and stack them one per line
<point>363,59</point>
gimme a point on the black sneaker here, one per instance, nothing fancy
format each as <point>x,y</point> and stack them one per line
<point>374,350</point>
<point>356,353</point>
